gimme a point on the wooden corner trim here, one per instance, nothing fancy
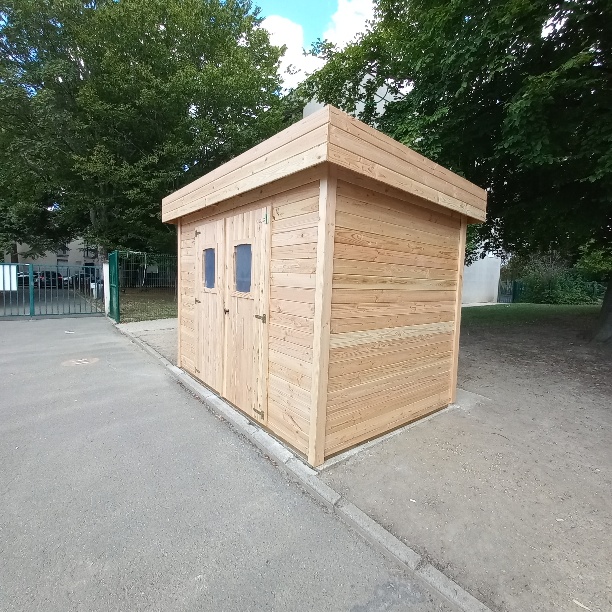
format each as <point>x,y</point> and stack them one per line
<point>322,318</point>
<point>457,330</point>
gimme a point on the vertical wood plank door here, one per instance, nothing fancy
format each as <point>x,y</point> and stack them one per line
<point>210,288</point>
<point>247,237</point>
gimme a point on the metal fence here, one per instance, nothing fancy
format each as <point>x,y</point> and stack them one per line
<point>509,291</point>
<point>146,286</point>
<point>33,290</point>
<point>517,291</point>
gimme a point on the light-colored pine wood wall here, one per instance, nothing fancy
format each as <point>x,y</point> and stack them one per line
<point>294,204</point>
<point>394,291</point>
<point>391,354</point>
<point>188,324</point>
<point>293,263</point>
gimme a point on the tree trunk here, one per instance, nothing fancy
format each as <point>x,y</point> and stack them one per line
<point>14,254</point>
<point>603,333</point>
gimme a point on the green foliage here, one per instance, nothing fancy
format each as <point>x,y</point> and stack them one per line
<point>595,264</point>
<point>109,106</point>
<point>514,95</point>
<point>547,279</point>
<point>473,250</point>
<point>563,288</point>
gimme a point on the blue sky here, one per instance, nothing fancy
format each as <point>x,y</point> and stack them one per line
<point>298,23</point>
<point>313,15</point>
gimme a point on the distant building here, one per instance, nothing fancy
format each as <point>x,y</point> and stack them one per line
<point>481,281</point>
<point>76,253</point>
<point>382,96</point>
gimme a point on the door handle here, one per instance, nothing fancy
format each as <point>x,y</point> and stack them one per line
<point>262,317</point>
<point>226,310</point>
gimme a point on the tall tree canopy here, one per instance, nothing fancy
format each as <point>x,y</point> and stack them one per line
<point>109,105</point>
<point>516,95</point>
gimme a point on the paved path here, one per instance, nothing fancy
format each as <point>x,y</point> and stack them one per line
<point>160,334</point>
<point>510,493</point>
<point>121,492</point>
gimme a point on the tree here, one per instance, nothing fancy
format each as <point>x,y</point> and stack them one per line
<point>515,95</point>
<point>110,105</point>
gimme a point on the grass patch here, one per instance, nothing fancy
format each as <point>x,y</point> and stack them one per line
<point>147,304</point>
<point>525,314</point>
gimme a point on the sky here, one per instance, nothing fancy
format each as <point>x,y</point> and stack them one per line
<point>298,23</point>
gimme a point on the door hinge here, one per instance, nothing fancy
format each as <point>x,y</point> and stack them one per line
<point>197,232</point>
<point>259,413</point>
<point>197,301</point>
<point>262,317</point>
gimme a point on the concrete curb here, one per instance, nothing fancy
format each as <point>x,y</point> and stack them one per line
<point>297,470</point>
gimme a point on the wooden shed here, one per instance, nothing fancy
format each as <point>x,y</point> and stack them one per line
<point>320,282</point>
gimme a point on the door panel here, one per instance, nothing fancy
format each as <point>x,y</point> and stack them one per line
<point>210,288</point>
<point>246,282</point>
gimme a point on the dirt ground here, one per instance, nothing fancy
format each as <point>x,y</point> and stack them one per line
<point>510,494</point>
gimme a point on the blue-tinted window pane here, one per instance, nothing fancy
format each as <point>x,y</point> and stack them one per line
<point>209,268</point>
<point>242,254</point>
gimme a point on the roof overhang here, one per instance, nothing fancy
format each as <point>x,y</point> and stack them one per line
<point>330,136</point>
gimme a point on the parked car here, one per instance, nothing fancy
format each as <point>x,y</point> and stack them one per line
<point>23,279</point>
<point>49,278</point>
<point>82,278</point>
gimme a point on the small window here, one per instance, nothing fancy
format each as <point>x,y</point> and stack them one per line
<point>242,257</point>
<point>209,268</point>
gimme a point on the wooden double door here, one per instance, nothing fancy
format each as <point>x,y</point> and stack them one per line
<point>232,280</point>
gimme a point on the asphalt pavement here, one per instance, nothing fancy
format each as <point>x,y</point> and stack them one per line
<point>121,491</point>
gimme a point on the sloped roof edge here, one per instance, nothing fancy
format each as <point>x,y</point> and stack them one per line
<point>329,135</point>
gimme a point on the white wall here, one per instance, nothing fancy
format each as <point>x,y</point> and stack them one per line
<point>74,256</point>
<point>382,94</point>
<point>481,281</point>
<point>106,279</point>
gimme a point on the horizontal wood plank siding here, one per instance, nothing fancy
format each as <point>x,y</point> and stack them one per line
<point>393,314</point>
<point>188,325</point>
<point>292,277</point>
<point>362,277</point>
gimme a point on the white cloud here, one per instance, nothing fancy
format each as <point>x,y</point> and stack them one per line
<point>349,20</point>
<point>283,31</point>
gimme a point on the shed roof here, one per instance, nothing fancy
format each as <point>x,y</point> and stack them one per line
<point>330,135</point>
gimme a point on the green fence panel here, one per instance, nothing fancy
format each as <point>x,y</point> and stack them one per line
<point>43,290</point>
<point>113,280</point>
<point>148,285</point>
<point>31,281</point>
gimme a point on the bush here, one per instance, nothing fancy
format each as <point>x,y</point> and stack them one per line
<point>547,278</point>
<point>559,287</point>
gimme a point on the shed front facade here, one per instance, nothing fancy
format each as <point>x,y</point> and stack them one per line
<point>320,282</point>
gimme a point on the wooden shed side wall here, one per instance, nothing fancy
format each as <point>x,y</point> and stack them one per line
<point>188,324</point>
<point>393,312</point>
<point>293,263</point>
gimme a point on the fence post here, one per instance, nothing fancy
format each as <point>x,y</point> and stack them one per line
<point>31,286</point>
<point>106,285</point>
<point>113,274</point>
